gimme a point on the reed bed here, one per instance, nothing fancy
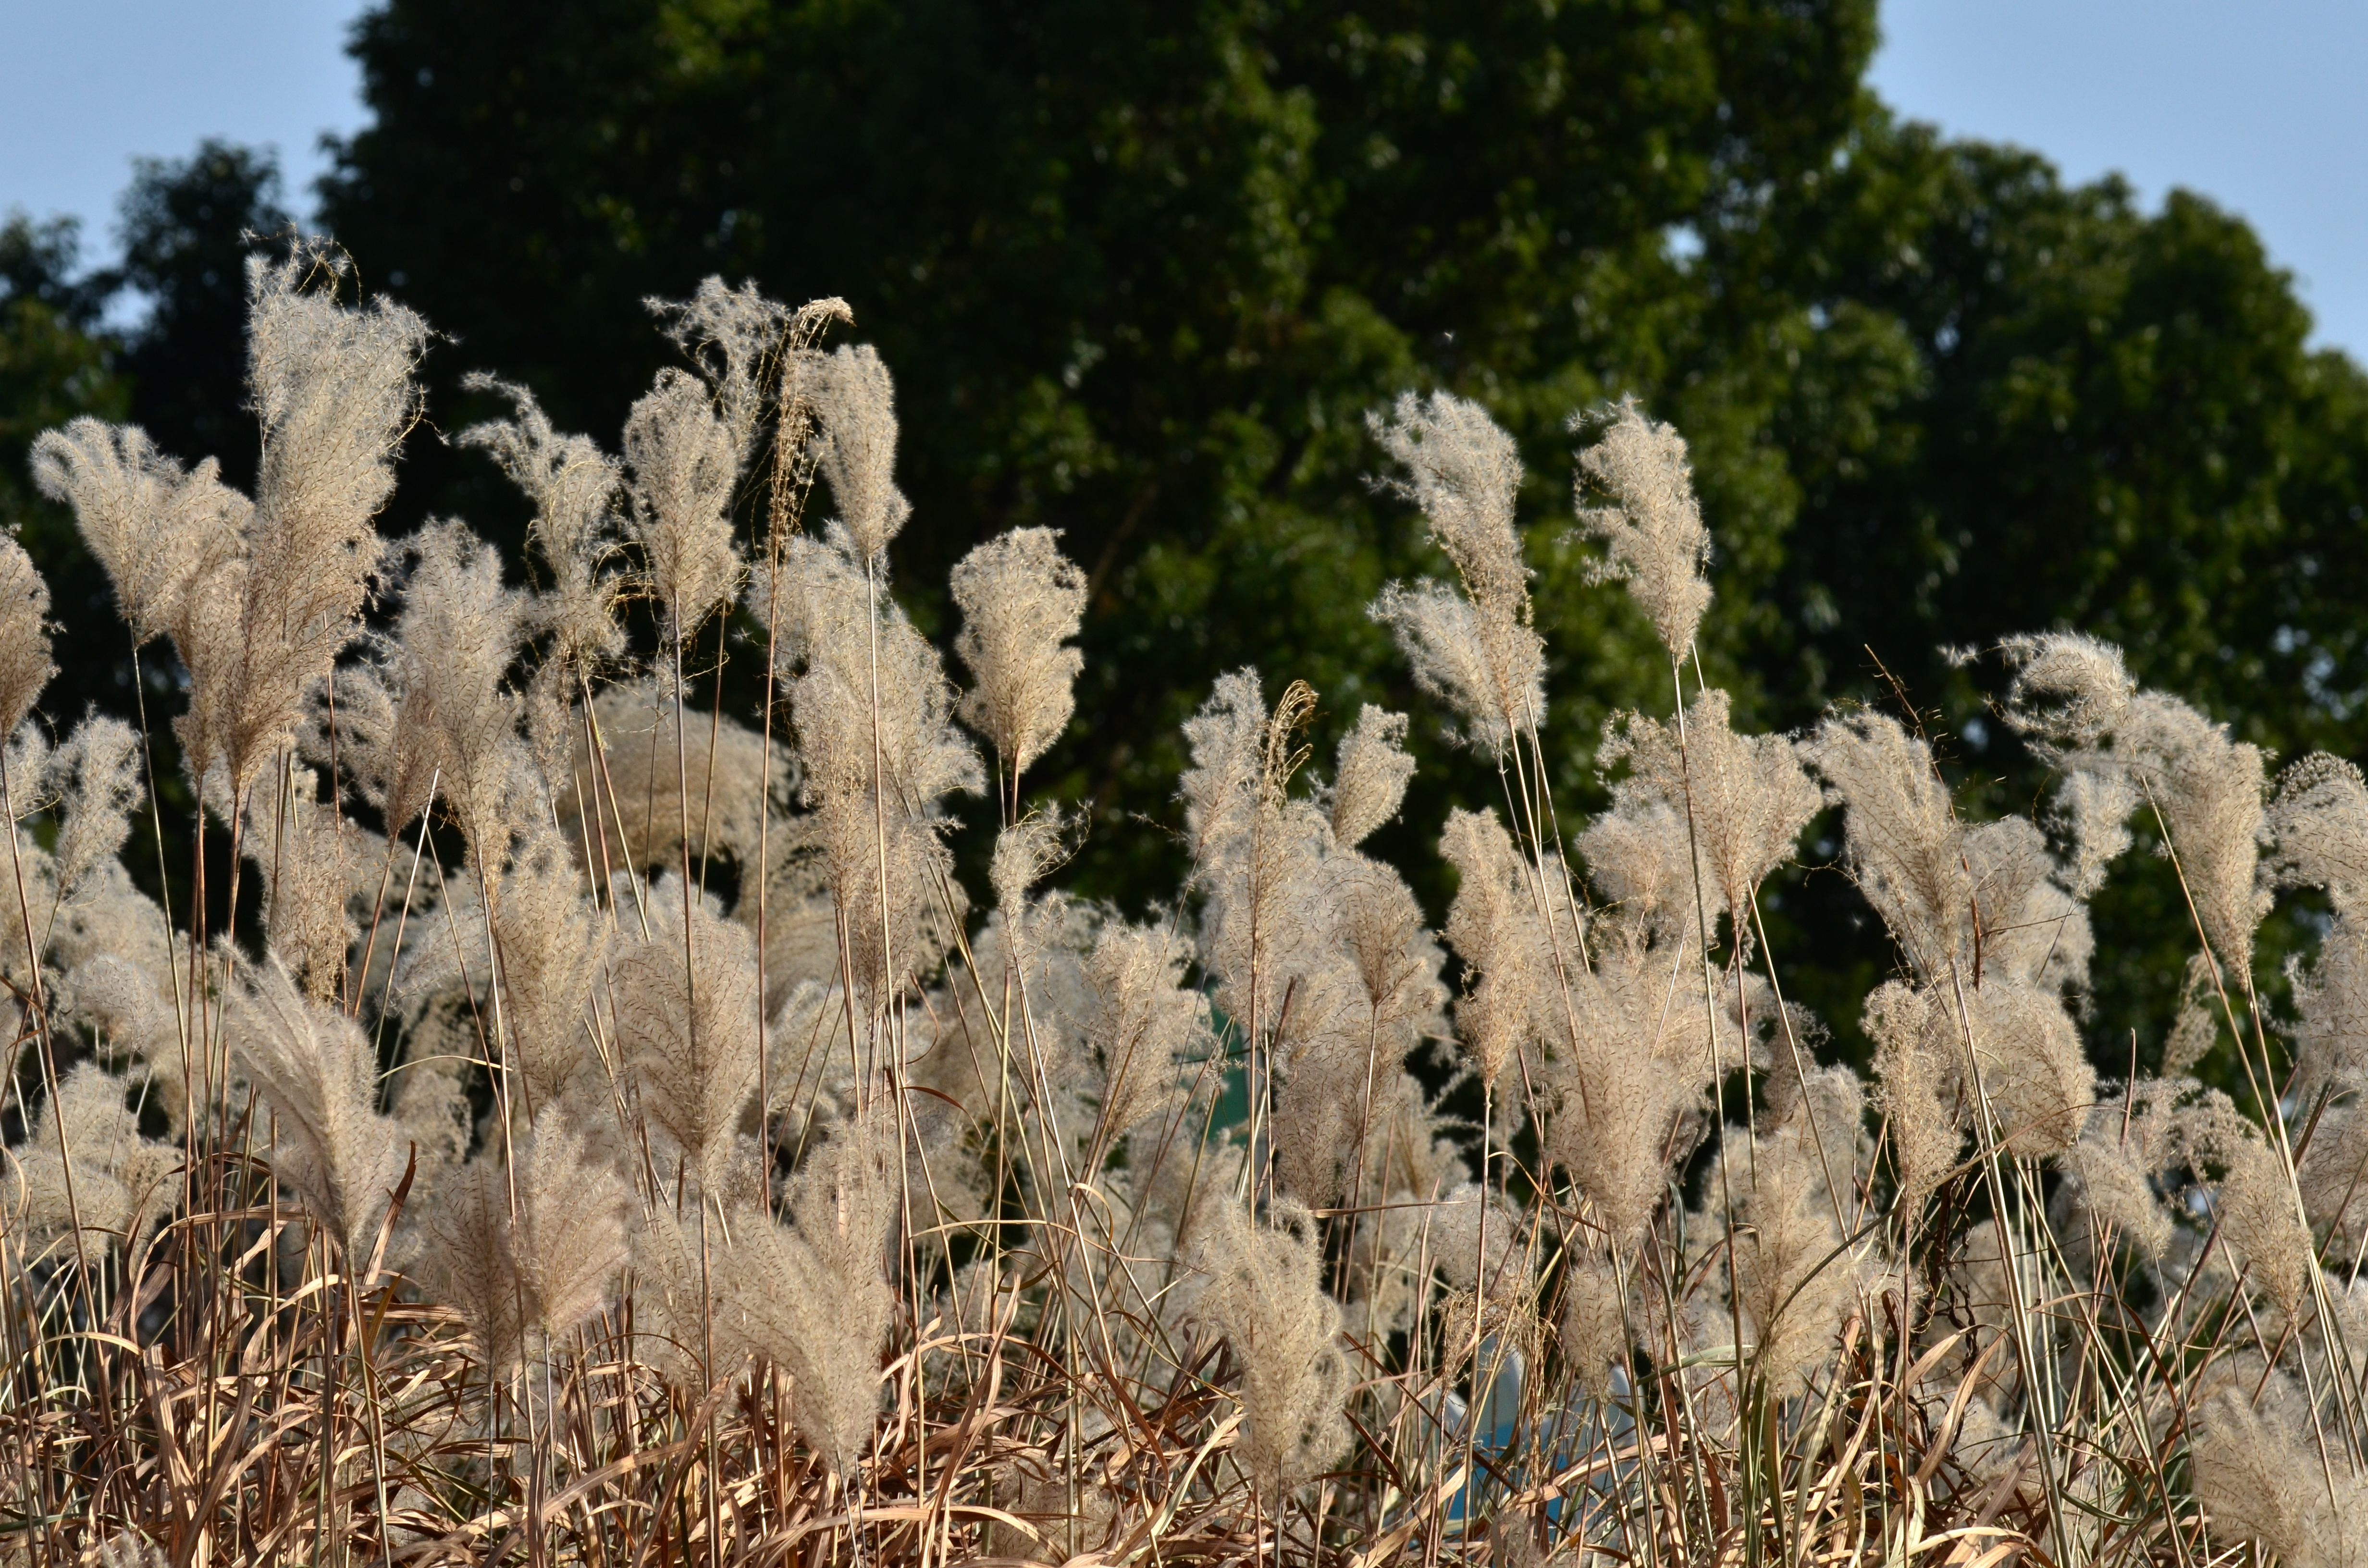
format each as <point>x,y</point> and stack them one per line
<point>621,1137</point>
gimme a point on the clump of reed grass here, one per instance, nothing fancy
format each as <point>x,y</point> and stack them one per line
<point>519,1184</point>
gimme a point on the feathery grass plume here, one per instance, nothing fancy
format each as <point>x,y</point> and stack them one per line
<point>875,773</point>
<point>118,1176</point>
<point>2111,1169</point>
<point>2262,1478</point>
<point>1396,959</point>
<point>1022,601</point>
<point>25,666</point>
<point>1746,796</point>
<point>2209,788</point>
<point>1630,1085</point>
<point>1457,1223</point>
<point>552,942</point>
<point>723,765</point>
<point>1147,1020</point>
<point>1025,852</point>
<point>733,336</point>
<point>1639,858</point>
<point>144,519</point>
<point>335,395</point>
<point>2329,1031</point>
<point>1915,1087</point>
<point>128,1009</point>
<point>567,1243</point>
<point>1266,1297</point>
<point>1794,1275</point>
<point>309,861</point>
<point>690,1045</point>
<point>2070,692</point>
<point>2036,1082</point>
<point>856,401</point>
<point>1653,530</point>
<point>1595,1319</point>
<point>2256,1207</point>
<point>1371,782</point>
<point>1464,472</point>
<point>2332,1174</point>
<point>98,771</point>
<point>454,640</point>
<point>1902,835</point>
<point>682,462</point>
<point>2318,823</point>
<point>1493,928</point>
<point>573,486</point>
<point>811,1296</point>
<point>318,1069</point>
<point>461,1257</point>
<point>380,741</point>
<point>2069,689</point>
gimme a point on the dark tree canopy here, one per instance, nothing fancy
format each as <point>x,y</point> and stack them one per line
<point>1141,272</point>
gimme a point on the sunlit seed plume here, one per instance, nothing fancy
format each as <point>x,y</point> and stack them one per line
<point>25,666</point>
<point>857,403</point>
<point>2116,749</point>
<point>2110,1171</point>
<point>2069,690</point>
<point>1464,472</point>
<point>1795,1276</point>
<point>2318,821</point>
<point>1397,959</point>
<point>1901,833</point>
<point>1494,929</point>
<point>320,1074</point>
<point>811,1296</point>
<point>1630,1067</point>
<point>876,772</point>
<point>573,486</point>
<point>1499,1262</point>
<point>1022,601</point>
<point>1266,1298</point>
<point>633,794</point>
<point>1371,781</point>
<point>1652,531</point>
<point>1915,1088</point>
<point>308,862</point>
<point>2331,1002</point>
<point>687,1030</point>
<point>566,1242</point>
<point>551,943</point>
<point>733,336</point>
<point>454,640</point>
<point>118,1177</point>
<point>120,1002</point>
<point>1221,789</point>
<point>1490,670</point>
<point>98,772</point>
<point>2209,788</point>
<point>144,519</point>
<point>1746,796</point>
<point>2261,1477</point>
<point>2258,1214</point>
<point>1025,852</point>
<point>335,393</point>
<point>1595,1320</point>
<point>463,1258</point>
<point>1147,1022</point>
<point>683,465</point>
<point>1639,858</point>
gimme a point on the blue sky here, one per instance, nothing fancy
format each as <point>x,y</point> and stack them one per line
<point>2257,105</point>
